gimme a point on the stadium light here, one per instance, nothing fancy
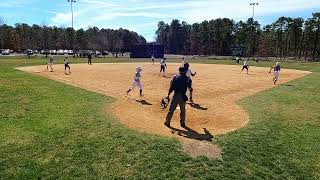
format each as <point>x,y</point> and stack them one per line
<point>71,2</point>
<point>253,5</point>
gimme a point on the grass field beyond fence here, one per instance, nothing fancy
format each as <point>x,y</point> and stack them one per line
<point>51,130</point>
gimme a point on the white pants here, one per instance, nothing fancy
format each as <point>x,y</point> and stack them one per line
<point>50,65</point>
<point>276,74</point>
<point>137,83</point>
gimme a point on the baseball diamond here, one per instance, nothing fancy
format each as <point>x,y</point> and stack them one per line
<point>217,88</point>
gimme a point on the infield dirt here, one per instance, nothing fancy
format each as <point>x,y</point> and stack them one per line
<point>216,90</point>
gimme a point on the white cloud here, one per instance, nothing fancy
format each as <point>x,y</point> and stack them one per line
<point>143,15</point>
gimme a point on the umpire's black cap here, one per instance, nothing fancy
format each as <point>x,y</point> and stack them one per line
<point>182,69</point>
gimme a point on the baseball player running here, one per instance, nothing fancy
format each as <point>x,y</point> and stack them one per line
<point>50,63</point>
<point>189,74</point>
<point>136,80</point>
<point>276,72</point>
<point>245,65</point>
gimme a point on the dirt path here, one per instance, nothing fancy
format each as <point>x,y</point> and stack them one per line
<point>216,90</point>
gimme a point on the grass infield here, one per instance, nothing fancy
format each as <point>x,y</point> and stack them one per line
<point>52,130</point>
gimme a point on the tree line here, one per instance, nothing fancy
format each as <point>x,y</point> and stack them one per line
<point>22,37</point>
<point>286,37</point>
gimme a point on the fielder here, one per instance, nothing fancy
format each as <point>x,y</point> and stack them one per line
<point>152,59</point>
<point>66,65</point>
<point>50,63</point>
<point>183,61</point>
<point>189,74</point>
<point>163,65</point>
<point>245,66</point>
<point>136,81</point>
<point>276,72</point>
<point>237,60</point>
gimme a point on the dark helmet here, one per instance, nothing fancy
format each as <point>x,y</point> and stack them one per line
<point>182,70</point>
<point>186,65</point>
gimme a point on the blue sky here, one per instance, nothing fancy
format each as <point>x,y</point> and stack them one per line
<point>142,16</point>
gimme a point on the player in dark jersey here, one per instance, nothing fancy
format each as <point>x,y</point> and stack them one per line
<point>179,85</point>
<point>276,72</point>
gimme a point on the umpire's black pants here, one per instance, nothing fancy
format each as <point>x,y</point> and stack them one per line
<point>178,98</point>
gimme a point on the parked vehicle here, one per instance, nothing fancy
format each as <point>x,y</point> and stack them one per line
<point>29,52</point>
<point>53,52</point>
<point>84,53</point>
<point>60,52</point>
<point>97,54</point>
<point>45,51</point>
<point>65,52</point>
<point>70,52</point>
<point>105,53</point>
<point>5,52</point>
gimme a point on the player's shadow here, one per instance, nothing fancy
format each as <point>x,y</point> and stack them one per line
<point>192,134</point>
<point>144,102</point>
<point>197,106</point>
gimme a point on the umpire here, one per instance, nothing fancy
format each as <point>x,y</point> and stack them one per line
<point>179,85</point>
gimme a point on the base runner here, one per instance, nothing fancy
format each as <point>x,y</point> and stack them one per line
<point>136,80</point>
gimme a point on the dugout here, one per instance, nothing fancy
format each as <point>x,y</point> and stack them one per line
<point>146,51</point>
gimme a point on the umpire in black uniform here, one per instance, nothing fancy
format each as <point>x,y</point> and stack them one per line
<point>179,85</point>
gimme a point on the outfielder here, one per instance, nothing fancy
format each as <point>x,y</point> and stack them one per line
<point>163,65</point>
<point>66,65</point>
<point>245,66</point>
<point>136,80</point>
<point>189,74</point>
<point>276,72</point>
<point>50,63</point>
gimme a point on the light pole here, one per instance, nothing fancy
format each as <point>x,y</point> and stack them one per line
<point>71,2</point>
<point>252,38</point>
<point>71,7</point>
<point>253,5</point>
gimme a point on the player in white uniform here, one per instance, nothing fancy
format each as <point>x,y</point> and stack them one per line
<point>152,59</point>
<point>245,66</point>
<point>163,65</point>
<point>189,74</point>
<point>183,61</point>
<point>66,65</point>
<point>136,80</point>
<point>50,63</point>
<point>276,72</point>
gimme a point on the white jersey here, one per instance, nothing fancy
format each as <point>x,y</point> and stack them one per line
<point>163,63</point>
<point>50,61</point>
<point>245,63</point>
<point>137,76</point>
<point>66,61</point>
<point>189,72</point>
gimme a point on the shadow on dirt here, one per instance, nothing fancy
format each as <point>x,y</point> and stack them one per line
<point>192,134</point>
<point>197,106</point>
<point>144,102</point>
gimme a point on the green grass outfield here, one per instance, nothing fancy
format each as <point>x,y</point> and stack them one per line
<point>51,130</point>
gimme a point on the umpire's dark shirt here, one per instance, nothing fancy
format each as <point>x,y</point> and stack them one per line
<point>180,84</point>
